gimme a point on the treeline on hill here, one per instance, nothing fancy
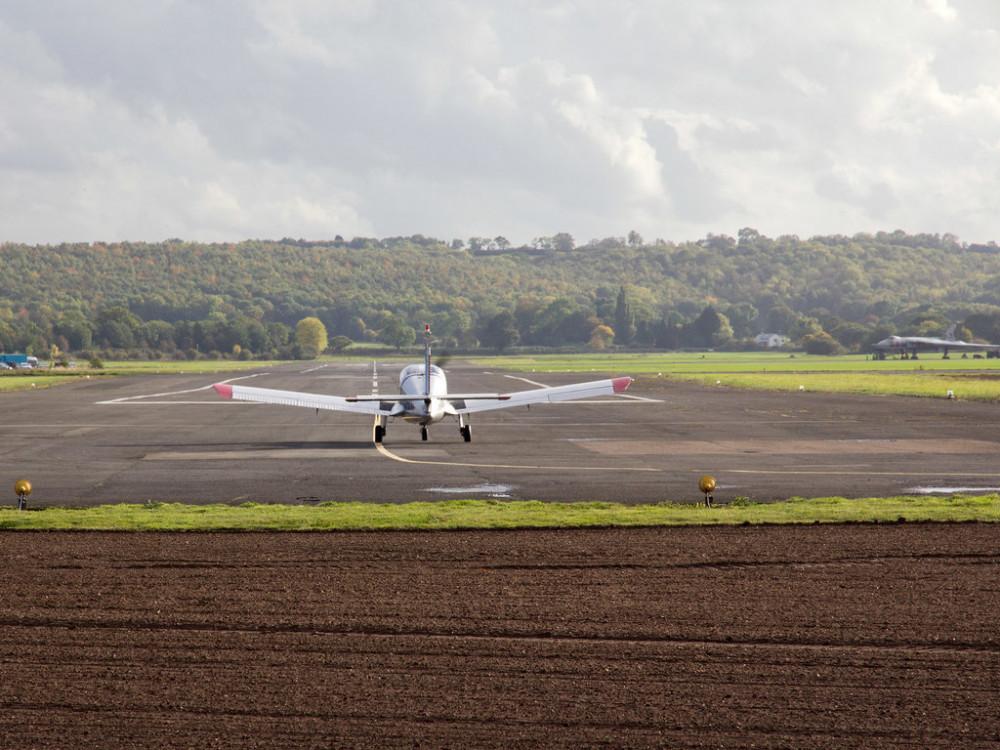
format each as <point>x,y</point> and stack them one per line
<point>185,300</point>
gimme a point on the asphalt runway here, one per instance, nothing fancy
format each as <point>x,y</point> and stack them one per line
<point>171,438</point>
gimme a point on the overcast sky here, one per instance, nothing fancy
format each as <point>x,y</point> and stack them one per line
<point>222,120</point>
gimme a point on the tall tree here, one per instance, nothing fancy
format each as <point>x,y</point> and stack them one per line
<point>563,242</point>
<point>601,338</point>
<point>624,319</point>
<point>501,332</point>
<point>396,333</point>
<point>310,335</point>
<point>117,327</point>
<point>711,328</point>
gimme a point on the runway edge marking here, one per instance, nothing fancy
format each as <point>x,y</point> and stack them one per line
<point>126,399</point>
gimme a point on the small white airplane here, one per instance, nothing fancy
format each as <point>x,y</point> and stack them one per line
<point>424,397</point>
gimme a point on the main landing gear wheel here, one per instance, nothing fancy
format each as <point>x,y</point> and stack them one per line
<point>423,433</point>
<point>379,433</point>
<point>466,433</point>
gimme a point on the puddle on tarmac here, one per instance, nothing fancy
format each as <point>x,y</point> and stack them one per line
<point>953,490</point>
<point>493,490</point>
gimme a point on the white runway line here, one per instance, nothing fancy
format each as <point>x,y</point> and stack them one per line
<point>142,398</point>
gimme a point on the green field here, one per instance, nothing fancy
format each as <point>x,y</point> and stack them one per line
<point>29,381</point>
<point>674,363</point>
<point>932,377</point>
<point>491,514</point>
<point>19,380</point>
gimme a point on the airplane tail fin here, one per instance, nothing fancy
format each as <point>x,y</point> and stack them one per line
<point>428,340</point>
<point>949,335</point>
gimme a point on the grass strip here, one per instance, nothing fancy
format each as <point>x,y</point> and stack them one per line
<point>26,383</point>
<point>932,377</point>
<point>925,385</point>
<point>971,380</point>
<point>645,363</point>
<point>494,514</point>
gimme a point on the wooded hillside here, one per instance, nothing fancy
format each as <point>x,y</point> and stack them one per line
<point>719,291</point>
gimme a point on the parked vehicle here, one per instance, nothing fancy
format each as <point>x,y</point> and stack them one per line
<point>19,361</point>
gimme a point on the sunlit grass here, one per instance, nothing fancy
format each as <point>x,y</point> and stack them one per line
<point>170,366</point>
<point>492,514</point>
<point>712,362</point>
<point>971,379</point>
<point>22,380</point>
<point>932,385</point>
<point>27,381</point>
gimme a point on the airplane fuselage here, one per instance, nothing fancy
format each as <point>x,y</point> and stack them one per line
<point>427,406</point>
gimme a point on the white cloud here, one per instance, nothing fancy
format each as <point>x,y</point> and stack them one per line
<point>941,9</point>
<point>317,117</point>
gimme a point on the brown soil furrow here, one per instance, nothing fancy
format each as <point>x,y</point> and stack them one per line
<point>812,637</point>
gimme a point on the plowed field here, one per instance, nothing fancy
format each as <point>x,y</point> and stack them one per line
<point>860,636</point>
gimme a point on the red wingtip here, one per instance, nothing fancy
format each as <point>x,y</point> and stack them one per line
<point>224,390</point>
<point>621,384</point>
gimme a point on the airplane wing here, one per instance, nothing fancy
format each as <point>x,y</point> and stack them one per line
<point>592,389</point>
<point>389,405</point>
<point>952,344</point>
<point>968,345</point>
<point>310,400</point>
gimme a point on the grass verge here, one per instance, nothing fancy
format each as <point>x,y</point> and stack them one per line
<point>965,379</point>
<point>924,385</point>
<point>977,380</point>
<point>26,383</point>
<point>492,514</point>
<point>43,378</point>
